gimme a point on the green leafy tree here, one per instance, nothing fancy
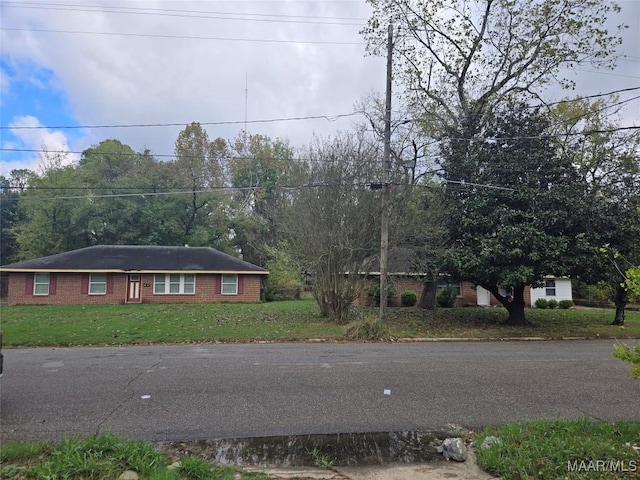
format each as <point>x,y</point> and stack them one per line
<point>109,213</point>
<point>261,167</point>
<point>633,280</point>
<point>608,163</point>
<point>51,222</point>
<point>199,172</point>
<point>10,215</point>
<point>284,280</point>
<point>515,210</point>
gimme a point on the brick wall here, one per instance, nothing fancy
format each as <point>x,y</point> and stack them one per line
<point>68,290</point>
<point>468,295</point>
<point>401,285</point>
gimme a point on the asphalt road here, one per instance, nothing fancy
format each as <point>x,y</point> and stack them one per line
<point>222,391</point>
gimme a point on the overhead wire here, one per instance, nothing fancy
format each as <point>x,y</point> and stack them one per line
<point>246,17</point>
<point>181,37</point>
<point>152,9</point>
<point>228,189</point>
<point>328,118</point>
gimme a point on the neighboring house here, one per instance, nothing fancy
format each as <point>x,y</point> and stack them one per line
<point>112,274</point>
<point>401,266</point>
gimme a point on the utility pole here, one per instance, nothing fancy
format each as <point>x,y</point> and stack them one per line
<point>384,229</point>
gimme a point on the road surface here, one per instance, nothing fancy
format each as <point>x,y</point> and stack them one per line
<point>221,391</point>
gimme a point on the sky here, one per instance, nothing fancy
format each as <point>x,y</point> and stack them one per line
<point>94,63</point>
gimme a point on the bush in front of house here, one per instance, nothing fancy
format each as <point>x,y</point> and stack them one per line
<point>552,304</point>
<point>542,303</point>
<point>446,297</point>
<point>408,298</point>
<point>565,304</point>
<point>374,292</point>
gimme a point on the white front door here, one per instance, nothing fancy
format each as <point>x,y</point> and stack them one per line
<point>483,296</point>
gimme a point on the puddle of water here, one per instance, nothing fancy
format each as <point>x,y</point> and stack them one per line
<point>350,449</point>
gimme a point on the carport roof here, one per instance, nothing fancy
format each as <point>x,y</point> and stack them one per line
<point>138,258</point>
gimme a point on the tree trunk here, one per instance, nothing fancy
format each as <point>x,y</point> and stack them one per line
<point>428,295</point>
<point>621,299</point>
<point>514,305</point>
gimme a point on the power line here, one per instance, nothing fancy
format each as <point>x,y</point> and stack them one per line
<point>150,9</point>
<point>215,15</point>
<point>182,37</point>
<point>328,118</point>
<point>230,189</point>
<point>587,97</point>
<point>311,160</point>
<point>606,73</point>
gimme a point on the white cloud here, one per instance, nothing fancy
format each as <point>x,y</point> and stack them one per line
<point>138,80</point>
<point>5,84</point>
<point>112,79</point>
<point>39,138</point>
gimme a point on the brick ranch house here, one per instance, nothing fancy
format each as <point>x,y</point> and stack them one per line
<point>402,263</point>
<point>112,274</point>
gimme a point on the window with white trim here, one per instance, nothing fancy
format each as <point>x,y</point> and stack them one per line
<point>550,288</point>
<point>41,284</point>
<point>229,284</point>
<point>97,284</point>
<point>174,284</point>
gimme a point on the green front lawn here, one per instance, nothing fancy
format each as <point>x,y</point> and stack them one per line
<point>562,449</point>
<point>281,321</point>
<point>107,457</point>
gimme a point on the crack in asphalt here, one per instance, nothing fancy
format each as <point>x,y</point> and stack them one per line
<point>122,403</point>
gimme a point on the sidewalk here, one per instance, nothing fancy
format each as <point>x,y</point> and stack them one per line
<point>438,470</point>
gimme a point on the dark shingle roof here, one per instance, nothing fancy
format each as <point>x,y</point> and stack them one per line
<point>399,261</point>
<point>138,258</point>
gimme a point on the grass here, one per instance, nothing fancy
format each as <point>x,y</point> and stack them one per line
<point>105,457</point>
<point>562,449</point>
<point>541,449</point>
<point>67,325</point>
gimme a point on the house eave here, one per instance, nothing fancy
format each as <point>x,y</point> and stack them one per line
<point>98,270</point>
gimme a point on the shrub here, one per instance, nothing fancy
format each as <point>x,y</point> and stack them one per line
<point>552,304</point>
<point>374,292</point>
<point>283,282</point>
<point>565,304</point>
<point>628,354</point>
<point>446,298</point>
<point>542,303</point>
<point>282,294</point>
<point>409,298</point>
<point>368,329</point>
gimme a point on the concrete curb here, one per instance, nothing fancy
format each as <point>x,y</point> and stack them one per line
<point>491,339</point>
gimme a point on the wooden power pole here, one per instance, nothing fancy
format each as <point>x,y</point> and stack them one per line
<point>384,230</point>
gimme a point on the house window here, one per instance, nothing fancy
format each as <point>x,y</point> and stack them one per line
<point>550,288</point>
<point>41,284</point>
<point>97,284</point>
<point>174,284</point>
<point>456,286</point>
<point>229,284</point>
